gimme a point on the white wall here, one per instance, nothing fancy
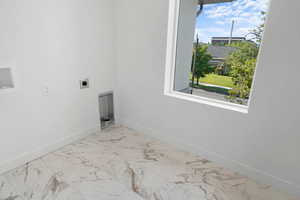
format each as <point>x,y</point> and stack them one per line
<point>263,144</point>
<point>54,44</point>
<point>186,30</point>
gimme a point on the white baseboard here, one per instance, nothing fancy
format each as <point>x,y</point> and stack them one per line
<point>29,156</point>
<point>244,169</point>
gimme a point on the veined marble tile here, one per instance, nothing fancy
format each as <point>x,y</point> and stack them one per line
<point>7,191</point>
<point>35,181</point>
<point>74,168</point>
<point>89,175</point>
<point>122,164</point>
<point>62,192</point>
<point>106,190</point>
<point>29,180</point>
<point>158,171</point>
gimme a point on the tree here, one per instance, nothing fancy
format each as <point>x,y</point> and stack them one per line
<point>244,51</point>
<point>242,64</point>
<point>259,30</point>
<point>202,66</point>
<point>242,76</point>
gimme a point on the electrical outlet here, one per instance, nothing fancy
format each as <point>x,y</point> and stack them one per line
<point>84,84</point>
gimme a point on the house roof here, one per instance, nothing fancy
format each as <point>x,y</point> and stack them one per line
<point>213,1</point>
<point>220,52</point>
<point>227,38</point>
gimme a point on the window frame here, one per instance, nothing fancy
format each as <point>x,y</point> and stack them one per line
<point>173,20</point>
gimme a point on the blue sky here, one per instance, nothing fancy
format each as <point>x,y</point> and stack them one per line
<point>216,19</point>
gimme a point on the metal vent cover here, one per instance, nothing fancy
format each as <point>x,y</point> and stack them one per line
<point>106,109</point>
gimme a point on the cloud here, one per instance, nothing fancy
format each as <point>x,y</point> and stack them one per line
<point>242,31</point>
<point>246,14</point>
<point>241,10</point>
<point>221,22</point>
<point>216,18</point>
<point>219,11</point>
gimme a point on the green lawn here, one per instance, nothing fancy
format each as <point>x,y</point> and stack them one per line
<point>215,79</point>
<point>213,89</point>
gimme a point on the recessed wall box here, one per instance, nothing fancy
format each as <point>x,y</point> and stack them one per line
<point>6,80</point>
<point>106,108</point>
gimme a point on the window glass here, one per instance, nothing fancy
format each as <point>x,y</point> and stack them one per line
<point>217,47</point>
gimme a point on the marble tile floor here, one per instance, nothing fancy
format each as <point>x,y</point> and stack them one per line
<point>121,164</point>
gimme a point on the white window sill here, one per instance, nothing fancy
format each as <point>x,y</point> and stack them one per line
<point>209,101</point>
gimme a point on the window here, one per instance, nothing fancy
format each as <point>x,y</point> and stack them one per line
<point>213,47</point>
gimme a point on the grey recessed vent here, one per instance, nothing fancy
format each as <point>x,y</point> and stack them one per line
<point>6,80</point>
<point>106,107</point>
